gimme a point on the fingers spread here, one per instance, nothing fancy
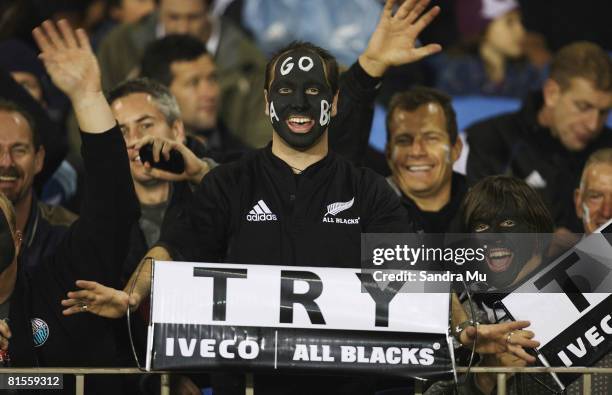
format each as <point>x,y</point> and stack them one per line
<point>417,10</point>
<point>73,310</point>
<point>44,44</point>
<point>404,10</point>
<point>67,33</point>
<point>430,49</point>
<point>53,35</point>
<point>90,285</point>
<point>516,325</point>
<point>521,353</point>
<point>83,40</point>
<point>426,19</point>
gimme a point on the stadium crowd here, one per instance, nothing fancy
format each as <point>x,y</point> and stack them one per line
<point>262,122</point>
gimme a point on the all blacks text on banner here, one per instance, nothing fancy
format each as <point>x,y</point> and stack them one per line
<point>254,317</point>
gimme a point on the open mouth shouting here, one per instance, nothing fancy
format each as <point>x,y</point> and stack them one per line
<point>300,123</point>
<point>499,259</point>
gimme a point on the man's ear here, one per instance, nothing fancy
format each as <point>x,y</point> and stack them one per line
<point>456,150</point>
<point>178,130</point>
<point>39,159</point>
<point>551,92</point>
<point>267,109</point>
<point>578,203</point>
<point>334,109</point>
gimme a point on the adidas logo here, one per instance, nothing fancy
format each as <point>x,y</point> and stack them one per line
<point>260,212</point>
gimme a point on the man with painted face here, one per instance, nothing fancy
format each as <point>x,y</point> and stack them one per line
<point>94,246</point>
<point>300,97</point>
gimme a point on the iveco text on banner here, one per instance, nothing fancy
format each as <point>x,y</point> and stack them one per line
<point>256,317</point>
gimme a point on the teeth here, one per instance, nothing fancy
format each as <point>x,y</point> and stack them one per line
<point>7,178</point>
<point>300,120</point>
<point>420,168</point>
<point>499,253</point>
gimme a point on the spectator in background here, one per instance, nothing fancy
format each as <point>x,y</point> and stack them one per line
<point>491,59</point>
<point>182,63</point>
<point>147,113</point>
<point>21,159</point>
<point>547,142</point>
<point>593,198</point>
<point>28,71</point>
<point>25,68</point>
<point>422,146</point>
<point>129,11</point>
<point>240,64</point>
<point>41,336</point>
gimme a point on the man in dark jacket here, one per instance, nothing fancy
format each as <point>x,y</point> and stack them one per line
<point>422,146</point>
<point>547,142</point>
<point>92,247</point>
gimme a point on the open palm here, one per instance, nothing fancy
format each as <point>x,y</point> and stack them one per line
<point>393,43</point>
<point>68,58</point>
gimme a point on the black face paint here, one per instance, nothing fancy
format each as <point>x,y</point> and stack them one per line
<point>300,98</point>
<point>7,246</point>
<point>509,247</point>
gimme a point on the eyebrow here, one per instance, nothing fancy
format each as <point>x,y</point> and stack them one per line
<point>143,118</point>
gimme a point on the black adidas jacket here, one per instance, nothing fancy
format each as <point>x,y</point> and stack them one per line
<point>515,144</point>
<point>93,248</point>
<point>256,211</point>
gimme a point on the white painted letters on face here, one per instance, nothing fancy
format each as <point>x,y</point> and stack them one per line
<point>286,67</point>
<point>309,66</point>
<point>305,64</point>
<point>324,120</point>
<point>273,113</point>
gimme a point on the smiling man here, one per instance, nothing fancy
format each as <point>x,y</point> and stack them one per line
<point>422,145</point>
<point>548,141</point>
<point>593,199</point>
<point>21,159</point>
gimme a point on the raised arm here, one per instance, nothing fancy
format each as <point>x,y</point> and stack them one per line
<point>393,43</point>
<point>73,68</point>
<point>96,244</point>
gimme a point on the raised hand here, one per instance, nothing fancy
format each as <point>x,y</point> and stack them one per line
<point>73,68</point>
<point>393,42</point>
<point>98,299</point>
<point>195,168</point>
<point>500,338</point>
<point>68,58</point>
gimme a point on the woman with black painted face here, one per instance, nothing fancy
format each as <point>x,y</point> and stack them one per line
<point>505,213</point>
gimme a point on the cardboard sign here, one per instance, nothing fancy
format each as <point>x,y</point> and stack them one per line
<point>569,303</point>
<point>322,320</point>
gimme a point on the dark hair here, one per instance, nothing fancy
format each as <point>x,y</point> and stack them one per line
<point>582,59</point>
<point>164,100</point>
<point>331,65</point>
<point>10,106</point>
<point>418,96</point>
<point>494,193</point>
<point>160,54</point>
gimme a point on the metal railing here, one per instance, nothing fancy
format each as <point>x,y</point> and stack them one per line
<point>502,374</point>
